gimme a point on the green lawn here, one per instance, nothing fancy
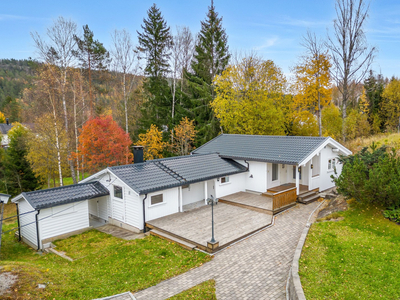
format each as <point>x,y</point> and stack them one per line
<point>102,266</point>
<point>204,291</point>
<point>356,258</point>
<point>66,181</point>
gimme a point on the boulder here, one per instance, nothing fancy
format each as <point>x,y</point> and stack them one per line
<point>334,205</point>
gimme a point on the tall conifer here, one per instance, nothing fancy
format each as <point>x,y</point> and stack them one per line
<point>210,59</point>
<point>155,42</point>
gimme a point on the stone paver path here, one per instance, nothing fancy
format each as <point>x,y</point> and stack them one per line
<point>256,268</point>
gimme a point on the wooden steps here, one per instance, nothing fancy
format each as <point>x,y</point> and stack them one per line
<point>308,197</point>
<point>172,238</point>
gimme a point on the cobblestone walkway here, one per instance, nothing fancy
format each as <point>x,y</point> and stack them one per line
<point>256,268</point>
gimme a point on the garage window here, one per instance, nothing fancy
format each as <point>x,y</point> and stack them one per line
<point>118,192</point>
<point>156,199</point>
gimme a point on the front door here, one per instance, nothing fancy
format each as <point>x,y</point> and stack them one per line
<point>118,204</point>
<point>272,175</point>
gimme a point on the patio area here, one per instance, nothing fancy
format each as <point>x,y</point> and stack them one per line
<point>231,223</point>
<point>251,201</point>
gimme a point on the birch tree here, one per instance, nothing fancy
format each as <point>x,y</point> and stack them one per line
<point>351,54</point>
<point>125,63</point>
<point>59,51</point>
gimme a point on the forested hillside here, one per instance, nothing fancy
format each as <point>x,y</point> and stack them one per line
<point>171,90</point>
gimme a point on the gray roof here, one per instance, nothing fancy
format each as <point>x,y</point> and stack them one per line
<point>289,150</point>
<point>159,174</point>
<point>4,128</point>
<point>65,194</point>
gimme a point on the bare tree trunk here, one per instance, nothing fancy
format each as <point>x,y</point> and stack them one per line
<point>319,113</point>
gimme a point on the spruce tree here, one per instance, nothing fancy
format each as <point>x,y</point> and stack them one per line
<point>210,59</point>
<point>155,43</point>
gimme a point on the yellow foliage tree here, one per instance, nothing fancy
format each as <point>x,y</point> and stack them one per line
<point>184,135</point>
<point>44,149</point>
<point>304,124</point>
<point>2,118</point>
<point>312,86</point>
<point>332,122</point>
<point>356,124</point>
<point>363,103</point>
<point>250,97</point>
<point>391,104</point>
<point>152,143</point>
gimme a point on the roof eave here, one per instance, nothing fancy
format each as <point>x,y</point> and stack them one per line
<point>147,191</point>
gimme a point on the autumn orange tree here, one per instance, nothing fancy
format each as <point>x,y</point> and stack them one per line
<point>103,143</point>
<point>152,143</point>
<point>184,134</point>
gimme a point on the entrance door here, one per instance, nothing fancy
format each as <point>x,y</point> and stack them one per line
<point>118,204</point>
<point>273,175</point>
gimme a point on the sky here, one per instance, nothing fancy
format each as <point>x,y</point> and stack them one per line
<point>273,29</point>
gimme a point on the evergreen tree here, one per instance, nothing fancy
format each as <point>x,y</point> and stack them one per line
<point>155,42</point>
<point>19,176</point>
<point>210,59</point>
<point>92,56</point>
<point>374,87</point>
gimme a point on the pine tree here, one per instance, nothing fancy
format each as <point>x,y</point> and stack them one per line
<point>92,56</point>
<point>210,59</point>
<point>155,43</point>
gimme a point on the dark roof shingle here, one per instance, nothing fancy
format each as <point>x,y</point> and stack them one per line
<point>155,175</point>
<point>65,194</point>
<point>276,149</point>
<point>4,128</point>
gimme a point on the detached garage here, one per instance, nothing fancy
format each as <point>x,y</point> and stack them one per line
<point>47,215</point>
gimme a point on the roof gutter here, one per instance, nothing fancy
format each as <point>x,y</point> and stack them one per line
<point>37,229</point>
<point>144,214</point>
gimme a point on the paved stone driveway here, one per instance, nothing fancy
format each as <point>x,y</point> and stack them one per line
<point>256,268</point>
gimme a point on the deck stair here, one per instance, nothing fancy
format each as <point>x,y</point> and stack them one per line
<point>172,238</point>
<point>308,197</point>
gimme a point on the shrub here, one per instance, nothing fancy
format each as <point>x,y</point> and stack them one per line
<point>392,214</point>
<point>371,176</point>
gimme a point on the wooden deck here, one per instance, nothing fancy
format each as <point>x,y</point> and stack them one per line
<point>286,186</point>
<point>251,201</point>
<point>231,224</point>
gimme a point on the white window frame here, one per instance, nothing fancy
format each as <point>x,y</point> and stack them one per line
<point>159,203</point>
<point>122,192</point>
<point>226,179</point>
<point>331,164</point>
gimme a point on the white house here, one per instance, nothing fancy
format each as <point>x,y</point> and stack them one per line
<point>131,195</point>
<point>4,129</point>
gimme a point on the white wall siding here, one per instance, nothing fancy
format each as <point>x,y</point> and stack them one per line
<point>27,231</point>
<point>63,219</point>
<point>128,210</point>
<point>325,180</point>
<point>258,182</point>
<point>194,193</point>
<point>237,183</point>
<point>169,206</point>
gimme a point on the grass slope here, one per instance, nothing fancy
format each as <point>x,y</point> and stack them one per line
<point>356,258</point>
<point>390,140</point>
<point>103,265</point>
<point>204,291</point>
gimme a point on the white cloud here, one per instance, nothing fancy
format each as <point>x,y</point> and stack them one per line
<point>267,44</point>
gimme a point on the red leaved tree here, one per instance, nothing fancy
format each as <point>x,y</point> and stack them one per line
<point>102,143</point>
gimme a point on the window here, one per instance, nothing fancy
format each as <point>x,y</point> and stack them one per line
<point>294,172</point>
<point>331,164</point>
<point>118,192</point>
<point>225,179</point>
<point>156,199</point>
<point>274,172</point>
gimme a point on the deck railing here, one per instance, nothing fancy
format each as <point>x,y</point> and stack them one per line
<point>283,198</point>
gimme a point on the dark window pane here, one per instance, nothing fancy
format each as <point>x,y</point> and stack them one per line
<point>118,192</point>
<point>156,199</point>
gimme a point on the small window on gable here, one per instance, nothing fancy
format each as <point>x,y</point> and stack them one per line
<point>156,199</point>
<point>118,192</point>
<point>331,164</point>
<point>274,172</point>
<point>225,179</point>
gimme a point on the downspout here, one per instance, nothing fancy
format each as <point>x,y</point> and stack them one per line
<point>248,165</point>
<point>37,228</point>
<point>19,224</point>
<point>144,214</point>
